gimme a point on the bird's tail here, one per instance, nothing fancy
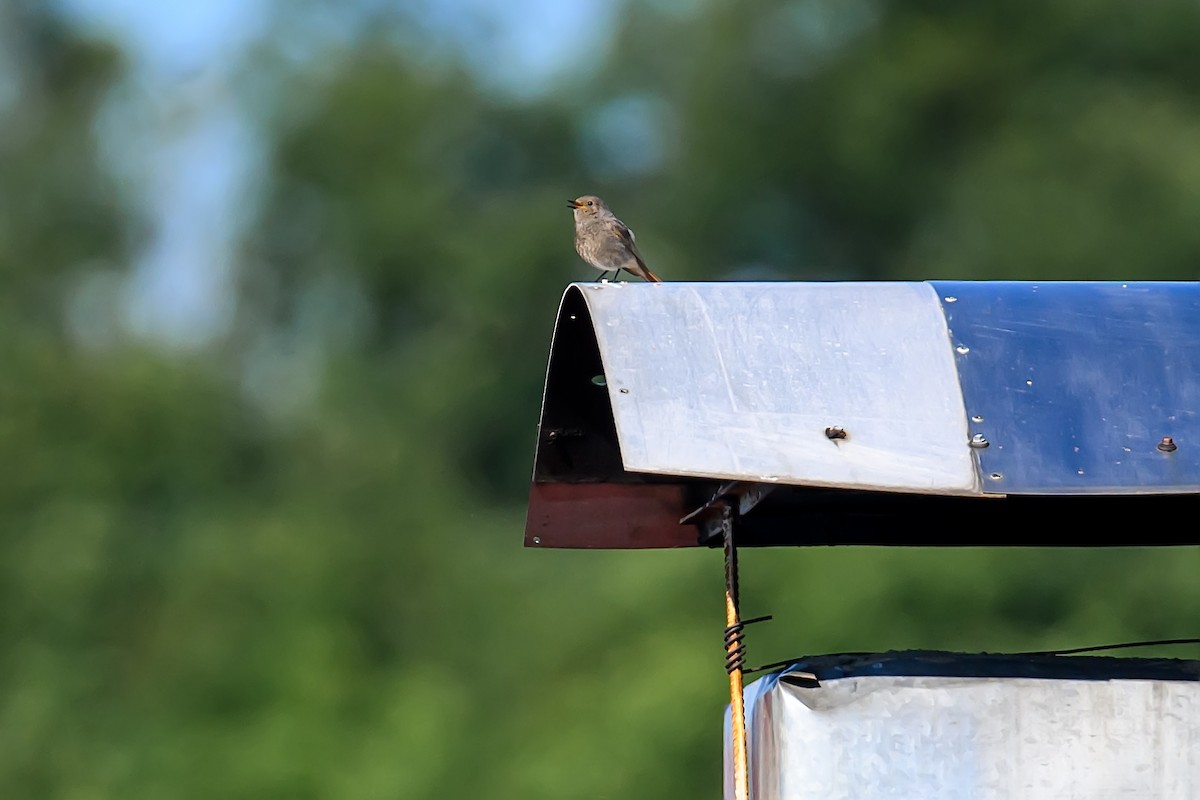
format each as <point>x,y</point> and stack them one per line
<point>644,270</point>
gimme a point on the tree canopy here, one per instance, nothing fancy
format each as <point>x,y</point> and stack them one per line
<point>288,562</point>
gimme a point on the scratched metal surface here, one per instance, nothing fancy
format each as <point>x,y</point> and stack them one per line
<point>982,738</point>
<point>741,380</point>
<point>1075,384</point>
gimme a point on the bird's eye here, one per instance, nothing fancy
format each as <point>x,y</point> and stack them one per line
<point>590,202</point>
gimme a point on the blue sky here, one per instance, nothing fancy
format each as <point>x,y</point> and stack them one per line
<point>177,138</point>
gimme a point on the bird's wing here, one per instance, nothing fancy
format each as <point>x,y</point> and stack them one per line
<point>623,233</point>
<point>626,235</point>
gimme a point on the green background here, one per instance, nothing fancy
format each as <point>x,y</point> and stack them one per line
<point>285,560</point>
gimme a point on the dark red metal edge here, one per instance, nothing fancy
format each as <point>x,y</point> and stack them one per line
<point>620,516</point>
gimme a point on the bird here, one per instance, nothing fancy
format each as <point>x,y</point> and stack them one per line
<point>605,242</point>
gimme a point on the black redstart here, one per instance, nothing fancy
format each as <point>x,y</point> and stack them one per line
<point>605,242</point>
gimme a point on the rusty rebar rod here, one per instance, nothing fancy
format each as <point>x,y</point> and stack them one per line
<point>735,652</point>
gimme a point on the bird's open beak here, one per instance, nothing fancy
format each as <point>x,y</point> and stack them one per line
<point>572,204</point>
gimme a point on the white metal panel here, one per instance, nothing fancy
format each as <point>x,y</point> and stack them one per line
<point>941,738</point>
<point>741,380</point>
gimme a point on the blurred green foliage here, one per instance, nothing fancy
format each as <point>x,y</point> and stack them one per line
<point>203,597</point>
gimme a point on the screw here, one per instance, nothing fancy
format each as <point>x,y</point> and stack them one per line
<point>979,441</point>
<point>537,540</point>
<point>834,432</point>
<point>1167,445</point>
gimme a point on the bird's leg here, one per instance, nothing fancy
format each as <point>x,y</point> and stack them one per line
<point>601,278</point>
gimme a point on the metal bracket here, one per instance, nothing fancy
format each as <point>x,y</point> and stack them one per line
<point>739,496</point>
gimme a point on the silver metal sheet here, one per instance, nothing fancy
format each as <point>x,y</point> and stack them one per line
<point>979,738</point>
<point>741,380</point>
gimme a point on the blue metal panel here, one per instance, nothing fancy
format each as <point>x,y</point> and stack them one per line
<point>1075,385</point>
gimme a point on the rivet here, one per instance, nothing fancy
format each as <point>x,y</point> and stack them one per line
<point>979,441</point>
<point>835,432</point>
<point>962,349</point>
<point>537,540</point>
<point>624,390</point>
<point>995,476</point>
<point>1167,445</point>
<point>951,298</point>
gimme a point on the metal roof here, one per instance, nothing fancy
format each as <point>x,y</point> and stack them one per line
<point>656,394</point>
<point>984,726</point>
